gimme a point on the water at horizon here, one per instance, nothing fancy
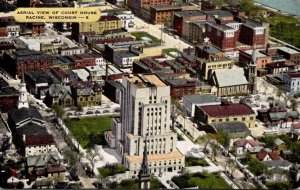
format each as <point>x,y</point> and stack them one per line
<point>287,6</point>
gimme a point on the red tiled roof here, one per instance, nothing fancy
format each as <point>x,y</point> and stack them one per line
<point>262,154</point>
<point>227,110</point>
<point>54,169</point>
<point>273,155</point>
<point>243,142</point>
<point>39,140</point>
<point>294,75</point>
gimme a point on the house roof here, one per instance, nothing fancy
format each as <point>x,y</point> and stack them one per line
<point>278,142</point>
<point>31,129</point>
<point>277,163</point>
<point>225,110</point>
<point>22,114</point>
<point>55,89</point>
<point>263,153</point>
<point>243,142</point>
<point>202,99</point>
<point>274,116</point>
<point>41,159</point>
<point>38,140</point>
<point>54,169</point>
<point>230,77</point>
<point>231,127</point>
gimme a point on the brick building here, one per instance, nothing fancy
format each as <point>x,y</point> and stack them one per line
<point>184,16</point>
<point>8,96</point>
<point>27,60</point>
<point>159,14</point>
<point>82,60</point>
<point>181,87</point>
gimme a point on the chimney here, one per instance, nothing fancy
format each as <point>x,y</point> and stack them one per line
<point>267,50</point>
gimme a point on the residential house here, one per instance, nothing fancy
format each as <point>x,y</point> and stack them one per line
<point>230,82</point>
<point>41,161</point>
<point>225,112</point>
<point>86,94</point>
<point>291,82</point>
<point>265,155</point>
<point>242,145</point>
<point>277,117</point>
<point>60,74</point>
<point>59,95</point>
<point>279,144</point>
<point>191,101</point>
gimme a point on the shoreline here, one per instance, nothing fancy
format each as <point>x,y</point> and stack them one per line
<point>275,10</point>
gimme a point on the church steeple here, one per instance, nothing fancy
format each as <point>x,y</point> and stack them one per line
<point>144,174</point>
<point>23,99</point>
<point>252,72</point>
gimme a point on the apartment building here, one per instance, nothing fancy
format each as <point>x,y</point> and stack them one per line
<point>145,119</point>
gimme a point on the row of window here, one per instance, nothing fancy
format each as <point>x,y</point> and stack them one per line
<point>227,119</point>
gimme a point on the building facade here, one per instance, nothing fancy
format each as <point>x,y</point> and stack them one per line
<point>145,119</point>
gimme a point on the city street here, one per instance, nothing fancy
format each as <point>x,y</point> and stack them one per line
<point>155,30</point>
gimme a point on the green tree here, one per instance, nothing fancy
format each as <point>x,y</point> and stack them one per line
<point>223,138</point>
<point>71,157</point>
<point>247,6</point>
<point>59,110</point>
<point>205,139</point>
<point>294,104</point>
<point>214,151</point>
<point>256,167</point>
<point>218,3</point>
<point>91,156</point>
<point>79,108</point>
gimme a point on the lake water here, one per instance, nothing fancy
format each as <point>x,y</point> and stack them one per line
<point>287,6</point>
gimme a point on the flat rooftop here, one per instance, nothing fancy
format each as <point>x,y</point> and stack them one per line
<point>145,81</point>
<point>190,13</point>
<point>156,157</point>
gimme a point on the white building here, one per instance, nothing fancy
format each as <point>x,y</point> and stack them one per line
<point>145,116</point>
<point>125,59</point>
<point>31,43</point>
<point>127,18</point>
<point>13,30</point>
<point>291,82</point>
<point>72,51</point>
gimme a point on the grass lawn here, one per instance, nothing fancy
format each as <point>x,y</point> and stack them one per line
<point>139,35</point>
<point>202,180</point>
<point>190,161</point>
<point>169,50</point>
<point>134,184</point>
<point>89,130</point>
<point>111,170</point>
<point>284,28</point>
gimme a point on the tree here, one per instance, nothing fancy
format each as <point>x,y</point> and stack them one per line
<point>71,158</point>
<point>214,151</point>
<point>247,6</point>
<point>59,110</point>
<point>223,138</point>
<point>218,3</point>
<point>256,167</point>
<point>230,167</point>
<point>91,156</point>
<point>205,139</point>
<point>294,104</point>
<point>79,108</point>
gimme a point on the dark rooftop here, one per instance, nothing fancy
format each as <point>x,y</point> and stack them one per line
<point>191,13</point>
<point>39,76</point>
<point>19,115</point>
<point>32,129</point>
<point>231,127</point>
<point>219,13</point>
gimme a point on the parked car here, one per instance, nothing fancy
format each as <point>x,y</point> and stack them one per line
<point>89,112</point>
<point>106,111</point>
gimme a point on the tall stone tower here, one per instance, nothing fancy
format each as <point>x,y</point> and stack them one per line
<point>144,174</point>
<point>145,120</point>
<point>23,99</point>
<point>252,72</point>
